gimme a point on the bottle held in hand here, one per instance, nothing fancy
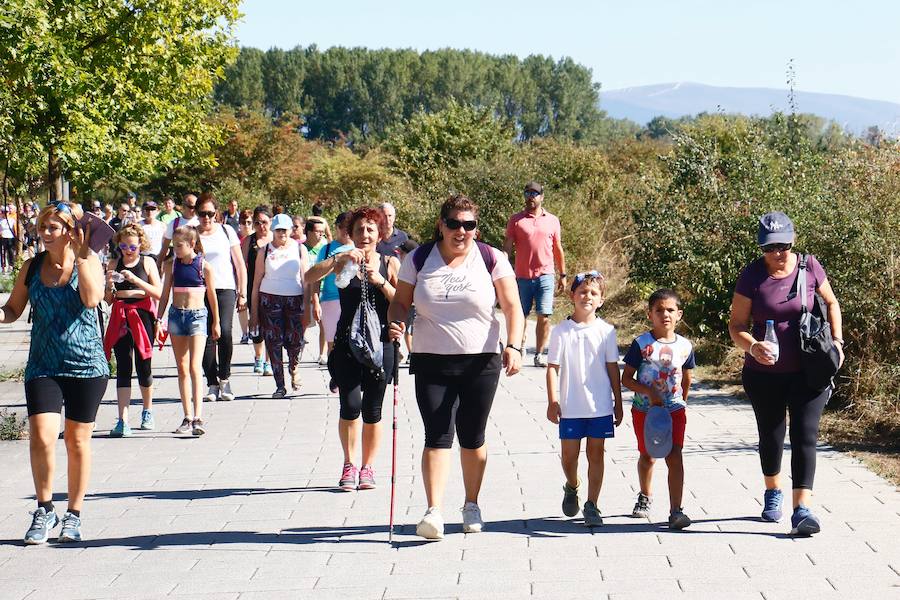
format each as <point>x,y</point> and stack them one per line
<point>349,271</point>
<point>771,340</point>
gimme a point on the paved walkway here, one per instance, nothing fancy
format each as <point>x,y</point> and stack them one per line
<point>250,511</point>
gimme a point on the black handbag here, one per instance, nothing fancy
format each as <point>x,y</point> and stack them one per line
<point>819,356</point>
<point>365,334</point>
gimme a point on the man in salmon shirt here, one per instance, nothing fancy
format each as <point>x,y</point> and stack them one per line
<point>534,235</point>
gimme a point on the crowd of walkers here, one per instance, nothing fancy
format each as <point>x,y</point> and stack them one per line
<point>184,274</point>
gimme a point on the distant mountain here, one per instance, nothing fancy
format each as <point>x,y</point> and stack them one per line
<point>641,104</point>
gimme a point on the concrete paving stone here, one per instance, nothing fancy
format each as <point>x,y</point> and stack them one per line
<point>336,594</point>
<point>238,586</point>
<point>573,588</point>
<point>723,585</point>
<point>416,589</point>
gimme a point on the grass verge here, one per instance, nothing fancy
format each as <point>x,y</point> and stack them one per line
<point>12,426</point>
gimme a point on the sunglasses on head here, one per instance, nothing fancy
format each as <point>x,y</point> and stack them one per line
<point>63,208</point>
<point>769,248</point>
<point>262,223</point>
<point>209,214</point>
<point>580,277</point>
<point>456,224</point>
<point>130,247</point>
<point>532,193</point>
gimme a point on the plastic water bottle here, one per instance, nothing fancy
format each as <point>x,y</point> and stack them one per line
<point>117,277</point>
<point>349,271</point>
<point>771,340</point>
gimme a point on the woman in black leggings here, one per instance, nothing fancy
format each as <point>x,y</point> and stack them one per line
<point>455,283</point>
<point>772,377</point>
<point>361,389</point>
<point>132,288</point>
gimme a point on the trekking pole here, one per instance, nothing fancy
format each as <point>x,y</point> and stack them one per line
<point>396,376</point>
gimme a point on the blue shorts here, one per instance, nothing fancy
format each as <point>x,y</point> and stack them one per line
<point>187,321</point>
<point>596,427</point>
<point>537,291</point>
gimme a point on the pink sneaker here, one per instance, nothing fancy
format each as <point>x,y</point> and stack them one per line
<point>367,478</point>
<point>348,478</point>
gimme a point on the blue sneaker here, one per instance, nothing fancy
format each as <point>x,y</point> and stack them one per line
<point>803,522</point>
<point>267,369</point>
<point>71,529</point>
<point>772,500</point>
<point>258,366</point>
<point>120,430</point>
<point>41,524</point>
<point>147,422</point>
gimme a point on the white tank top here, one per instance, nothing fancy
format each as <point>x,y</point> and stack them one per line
<point>283,275</point>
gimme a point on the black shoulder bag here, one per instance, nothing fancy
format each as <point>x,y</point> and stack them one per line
<point>365,333</point>
<point>819,356</point>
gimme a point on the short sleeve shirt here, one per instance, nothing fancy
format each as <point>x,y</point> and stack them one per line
<point>314,250</point>
<point>217,252</point>
<point>582,351</point>
<point>769,298</point>
<point>390,245</point>
<point>329,289</point>
<point>660,365</point>
<point>455,306</point>
<point>154,232</point>
<point>179,221</point>
<point>533,237</point>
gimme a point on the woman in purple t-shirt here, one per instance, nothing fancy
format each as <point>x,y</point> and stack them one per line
<point>774,382</point>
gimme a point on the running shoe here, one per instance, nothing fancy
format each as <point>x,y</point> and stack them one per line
<point>540,359</point>
<point>679,520</point>
<point>570,502</point>
<point>245,339</point>
<point>198,428</point>
<point>641,508</point>
<point>366,478</point>
<point>258,365</point>
<point>41,524</point>
<point>431,527</point>
<point>185,426</point>
<point>225,394</point>
<point>348,478</point>
<point>323,360</point>
<point>120,430</point>
<point>212,394</point>
<point>267,369</point>
<point>295,378</point>
<point>147,422</point>
<point>591,514</point>
<point>472,521</point>
<point>71,529</point>
<point>279,393</point>
<point>772,500</point>
<point>804,522</point>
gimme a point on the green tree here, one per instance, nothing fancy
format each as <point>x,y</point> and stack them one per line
<point>98,87</point>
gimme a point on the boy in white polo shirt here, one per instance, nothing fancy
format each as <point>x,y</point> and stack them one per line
<point>584,357</point>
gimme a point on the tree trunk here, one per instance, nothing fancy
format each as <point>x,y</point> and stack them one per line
<point>54,176</point>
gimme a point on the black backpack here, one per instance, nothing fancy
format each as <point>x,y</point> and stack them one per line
<point>819,356</point>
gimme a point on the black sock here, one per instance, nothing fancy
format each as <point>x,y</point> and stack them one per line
<point>77,513</point>
<point>47,506</point>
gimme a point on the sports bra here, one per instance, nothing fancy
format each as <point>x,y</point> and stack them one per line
<point>188,277</point>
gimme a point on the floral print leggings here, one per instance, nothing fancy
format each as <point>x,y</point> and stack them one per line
<point>280,319</point>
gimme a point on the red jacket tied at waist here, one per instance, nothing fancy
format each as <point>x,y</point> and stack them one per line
<point>124,317</point>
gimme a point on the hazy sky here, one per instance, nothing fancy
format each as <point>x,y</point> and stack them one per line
<point>838,47</point>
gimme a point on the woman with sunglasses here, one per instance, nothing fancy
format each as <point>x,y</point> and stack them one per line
<point>361,389</point>
<point>222,250</point>
<point>250,247</point>
<point>67,368</point>
<point>133,287</point>
<point>458,355</point>
<point>774,381</point>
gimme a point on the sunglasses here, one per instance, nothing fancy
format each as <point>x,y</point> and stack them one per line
<point>63,208</point>
<point>769,248</point>
<point>246,222</point>
<point>456,224</point>
<point>580,277</point>
<point>130,247</point>
<point>190,206</point>
<point>532,193</point>
<point>209,214</point>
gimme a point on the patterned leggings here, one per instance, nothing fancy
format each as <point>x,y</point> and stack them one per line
<point>280,319</point>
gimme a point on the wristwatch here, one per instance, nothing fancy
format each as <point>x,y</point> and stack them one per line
<point>516,348</point>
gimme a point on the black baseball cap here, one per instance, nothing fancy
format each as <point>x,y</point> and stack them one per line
<point>534,186</point>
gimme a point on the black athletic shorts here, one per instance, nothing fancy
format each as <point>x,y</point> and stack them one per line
<point>81,396</point>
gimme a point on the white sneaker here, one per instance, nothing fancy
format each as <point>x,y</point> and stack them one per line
<point>472,522</point>
<point>225,394</point>
<point>212,394</point>
<point>323,360</point>
<point>540,359</point>
<point>431,527</point>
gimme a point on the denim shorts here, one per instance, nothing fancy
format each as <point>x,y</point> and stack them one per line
<point>596,427</point>
<point>187,321</point>
<point>537,291</point>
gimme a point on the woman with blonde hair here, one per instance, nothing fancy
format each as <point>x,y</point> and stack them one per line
<point>67,368</point>
<point>132,289</point>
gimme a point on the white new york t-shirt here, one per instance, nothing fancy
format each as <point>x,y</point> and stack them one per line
<point>582,350</point>
<point>455,307</point>
<point>217,252</point>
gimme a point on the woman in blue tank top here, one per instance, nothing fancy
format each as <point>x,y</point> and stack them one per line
<point>68,368</point>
